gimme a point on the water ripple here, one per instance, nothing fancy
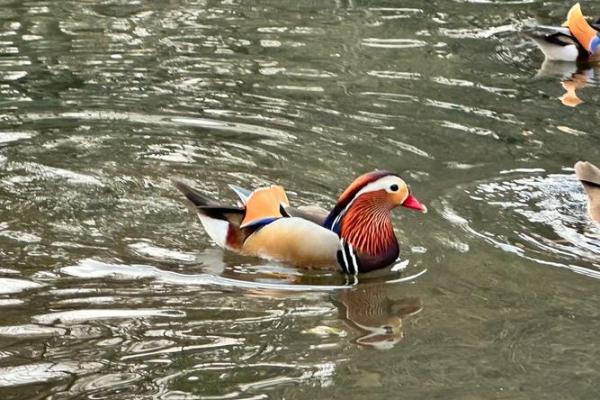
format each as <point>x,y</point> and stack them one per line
<point>477,33</point>
<point>93,269</point>
<point>78,316</point>
<point>393,43</point>
<point>544,219</point>
<point>165,120</point>
<point>11,285</point>
<point>395,75</point>
<point>42,372</point>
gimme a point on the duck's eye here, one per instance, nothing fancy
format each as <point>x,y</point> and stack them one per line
<point>394,188</point>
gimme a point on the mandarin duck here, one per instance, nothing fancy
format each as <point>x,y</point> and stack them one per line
<point>589,176</point>
<point>575,40</point>
<point>356,236</point>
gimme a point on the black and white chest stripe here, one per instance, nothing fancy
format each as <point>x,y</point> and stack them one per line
<point>348,258</point>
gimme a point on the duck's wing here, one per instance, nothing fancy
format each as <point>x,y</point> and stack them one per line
<point>314,214</point>
<point>264,206</point>
<point>311,213</point>
<point>589,175</point>
<point>243,193</point>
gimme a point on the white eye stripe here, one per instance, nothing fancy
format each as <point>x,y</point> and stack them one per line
<point>381,184</point>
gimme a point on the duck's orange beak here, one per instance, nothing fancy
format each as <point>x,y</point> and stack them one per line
<point>413,203</point>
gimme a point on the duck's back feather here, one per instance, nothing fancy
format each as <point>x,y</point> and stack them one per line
<point>314,214</point>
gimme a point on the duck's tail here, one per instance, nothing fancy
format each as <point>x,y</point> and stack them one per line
<point>221,222</point>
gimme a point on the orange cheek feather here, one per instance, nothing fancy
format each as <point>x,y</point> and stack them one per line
<point>396,199</point>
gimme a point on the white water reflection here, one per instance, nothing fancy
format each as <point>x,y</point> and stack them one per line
<point>393,43</point>
<point>165,120</point>
<point>30,331</point>
<point>78,316</point>
<point>33,171</point>
<point>94,269</point>
<point>11,285</point>
<point>6,137</point>
<point>42,372</point>
<point>150,250</point>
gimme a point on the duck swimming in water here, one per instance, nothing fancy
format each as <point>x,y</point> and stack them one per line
<point>589,175</point>
<point>576,40</point>
<point>356,236</point>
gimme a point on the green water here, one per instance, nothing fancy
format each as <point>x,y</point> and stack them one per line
<point>110,289</point>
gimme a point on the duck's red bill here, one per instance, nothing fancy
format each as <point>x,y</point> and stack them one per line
<point>413,203</point>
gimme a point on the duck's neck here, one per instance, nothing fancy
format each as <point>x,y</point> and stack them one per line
<point>367,226</point>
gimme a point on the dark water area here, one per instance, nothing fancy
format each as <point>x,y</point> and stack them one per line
<point>110,289</point>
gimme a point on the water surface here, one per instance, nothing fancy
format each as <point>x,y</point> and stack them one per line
<point>110,289</point>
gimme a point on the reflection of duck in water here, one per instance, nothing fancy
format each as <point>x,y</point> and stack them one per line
<point>589,175</point>
<point>576,40</point>
<point>574,76</point>
<point>356,236</point>
<point>376,318</point>
<point>579,80</point>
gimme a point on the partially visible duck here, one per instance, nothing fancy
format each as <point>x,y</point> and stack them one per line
<point>576,40</point>
<point>356,236</point>
<point>589,175</point>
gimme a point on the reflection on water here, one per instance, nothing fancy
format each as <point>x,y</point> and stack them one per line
<point>573,77</point>
<point>577,81</point>
<point>267,277</point>
<point>377,319</point>
<point>148,320</point>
